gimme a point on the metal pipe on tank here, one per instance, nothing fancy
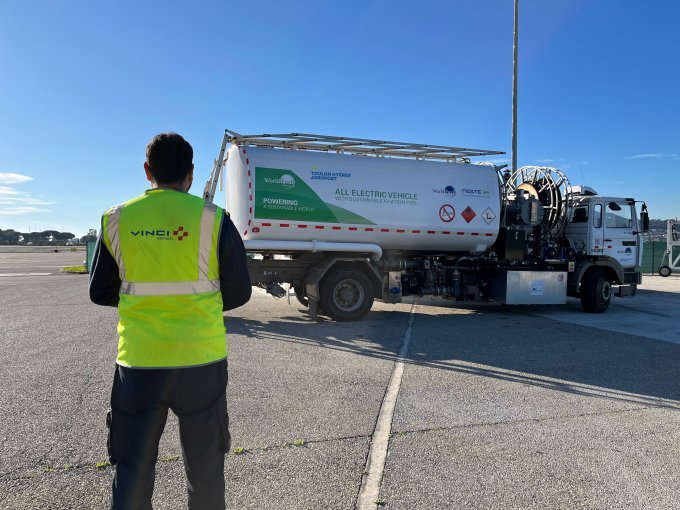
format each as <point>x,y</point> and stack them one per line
<point>313,246</point>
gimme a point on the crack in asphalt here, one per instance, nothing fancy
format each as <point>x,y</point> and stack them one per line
<point>33,465</point>
<point>565,417</point>
<point>48,470</point>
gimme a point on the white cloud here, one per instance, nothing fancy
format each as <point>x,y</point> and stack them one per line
<point>656,155</point>
<point>498,161</point>
<point>6,190</point>
<point>4,200</point>
<point>12,178</point>
<point>14,202</point>
<point>19,210</point>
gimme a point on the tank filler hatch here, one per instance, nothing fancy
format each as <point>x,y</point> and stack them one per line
<point>358,146</point>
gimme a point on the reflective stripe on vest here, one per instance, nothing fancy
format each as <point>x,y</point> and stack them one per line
<point>169,288</point>
<point>203,284</point>
<point>112,231</point>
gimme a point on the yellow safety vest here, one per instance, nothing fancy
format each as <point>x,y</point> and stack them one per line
<point>170,308</point>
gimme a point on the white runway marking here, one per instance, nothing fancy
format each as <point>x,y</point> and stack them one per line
<point>377,455</point>
<point>25,274</point>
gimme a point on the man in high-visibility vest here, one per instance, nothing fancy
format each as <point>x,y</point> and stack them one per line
<point>172,264</point>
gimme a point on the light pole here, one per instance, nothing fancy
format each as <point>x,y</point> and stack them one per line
<point>514,88</point>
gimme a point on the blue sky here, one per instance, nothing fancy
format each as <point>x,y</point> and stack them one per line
<point>85,85</point>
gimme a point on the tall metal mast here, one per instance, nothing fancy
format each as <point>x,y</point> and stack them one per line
<point>514,88</point>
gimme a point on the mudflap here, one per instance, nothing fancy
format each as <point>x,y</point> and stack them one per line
<point>626,290</point>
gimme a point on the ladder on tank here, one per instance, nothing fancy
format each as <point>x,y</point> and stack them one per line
<point>671,257</point>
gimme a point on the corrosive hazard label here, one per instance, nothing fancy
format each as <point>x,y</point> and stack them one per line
<point>447,213</point>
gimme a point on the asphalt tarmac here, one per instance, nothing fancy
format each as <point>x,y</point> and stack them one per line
<point>498,407</point>
<point>38,261</point>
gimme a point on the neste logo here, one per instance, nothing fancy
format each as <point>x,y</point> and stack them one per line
<point>472,192</point>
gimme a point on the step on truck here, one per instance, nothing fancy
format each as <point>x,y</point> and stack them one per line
<point>345,221</point>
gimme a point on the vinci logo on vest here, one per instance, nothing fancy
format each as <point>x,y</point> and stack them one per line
<point>162,235</point>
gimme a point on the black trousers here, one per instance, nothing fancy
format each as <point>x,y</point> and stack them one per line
<point>140,399</point>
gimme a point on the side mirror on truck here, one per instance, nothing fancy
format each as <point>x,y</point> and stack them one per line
<point>644,218</point>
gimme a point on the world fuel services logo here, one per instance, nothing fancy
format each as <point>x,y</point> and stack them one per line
<point>162,234</point>
<point>286,180</point>
<point>449,191</point>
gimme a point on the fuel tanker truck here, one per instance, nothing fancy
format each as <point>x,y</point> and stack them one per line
<point>344,221</point>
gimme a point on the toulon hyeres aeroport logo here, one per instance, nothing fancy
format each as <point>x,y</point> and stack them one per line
<point>161,234</point>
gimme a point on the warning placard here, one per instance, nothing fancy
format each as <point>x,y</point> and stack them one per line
<point>447,213</point>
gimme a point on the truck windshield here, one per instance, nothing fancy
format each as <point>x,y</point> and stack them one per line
<point>618,216</point>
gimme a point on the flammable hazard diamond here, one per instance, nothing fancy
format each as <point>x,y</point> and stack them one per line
<point>468,214</point>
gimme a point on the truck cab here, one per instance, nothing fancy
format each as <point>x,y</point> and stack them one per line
<point>606,234</point>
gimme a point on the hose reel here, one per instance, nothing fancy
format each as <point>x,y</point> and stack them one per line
<point>550,187</point>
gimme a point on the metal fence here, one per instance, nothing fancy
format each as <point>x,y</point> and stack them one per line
<point>651,256</point>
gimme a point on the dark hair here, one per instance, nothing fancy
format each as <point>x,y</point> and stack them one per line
<point>169,157</point>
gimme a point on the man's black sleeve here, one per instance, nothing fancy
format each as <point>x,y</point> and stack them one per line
<point>234,276</point>
<point>105,282</point>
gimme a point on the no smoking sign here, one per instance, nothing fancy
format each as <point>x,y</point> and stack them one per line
<point>447,213</point>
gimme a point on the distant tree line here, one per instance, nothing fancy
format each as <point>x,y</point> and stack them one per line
<point>45,238</point>
<point>658,224</point>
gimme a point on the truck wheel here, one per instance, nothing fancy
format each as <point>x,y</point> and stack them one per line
<point>665,271</point>
<point>596,292</point>
<point>346,294</point>
<point>300,295</point>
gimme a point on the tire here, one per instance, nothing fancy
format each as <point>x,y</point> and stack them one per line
<point>596,292</point>
<point>300,295</point>
<point>346,294</point>
<point>665,271</point>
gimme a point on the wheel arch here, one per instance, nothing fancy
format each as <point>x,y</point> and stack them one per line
<point>611,268</point>
<point>319,271</point>
<point>365,267</point>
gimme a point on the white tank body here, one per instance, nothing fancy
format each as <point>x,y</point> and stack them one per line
<point>398,204</point>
